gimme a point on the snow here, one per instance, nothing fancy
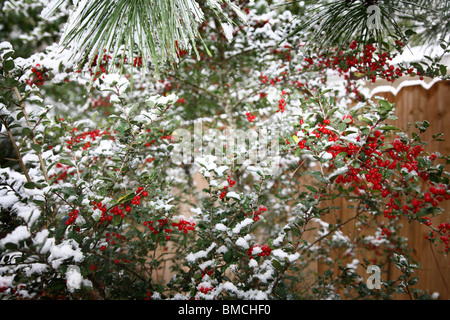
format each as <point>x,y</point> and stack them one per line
<point>207,162</point>
<point>251,294</point>
<point>233,195</point>
<point>18,234</point>
<point>35,268</point>
<point>162,204</point>
<point>222,249</point>
<point>252,263</point>
<point>282,255</point>
<point>220,170</point>
<point>242,224</point>
<point>241,242</point>
<point>279,240</point>
<point>193,257</point>
<point>41,236</point>
<point>67,249</point>
<point>197,211</point>
<point>406,83</point>
<point>326,156</point>
<point>353,265</point>
<point>338,171</point>
<point>221,227</point>
<point>7,199</point>
<point>228,30</point>
<point>73,279</point>
<point>114,80</point>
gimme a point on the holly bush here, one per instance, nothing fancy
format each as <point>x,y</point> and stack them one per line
<point>217,180</point>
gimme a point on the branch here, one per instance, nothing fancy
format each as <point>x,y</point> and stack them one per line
<point>193,85</point>
<point>41,160</point>
<point>16,148</point>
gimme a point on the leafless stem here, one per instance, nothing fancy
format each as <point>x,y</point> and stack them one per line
<point>16,148</point>
<point>41,160</point>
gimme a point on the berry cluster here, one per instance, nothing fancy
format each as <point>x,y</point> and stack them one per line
<point>158,227</point>
<point>180,52</point>
<point>207,271</point>
<point>118,210</point>
<point>359,61</point>
<point>137,62</point>
<point>184,225</point>
<point>258,250</point>
<point>102,65</point>
<point>250,117</point>
<point>386,232</point>
<point>64,168</point>
<point>231,183</point>
<point>256,213</point>
<point>205,288</point>
<point>38,76</point>
<point>73,215</point>
<point>112,239</point>
<point>283,54</point>
<point>100,206</point>
<point>370,172</point>
<point>103,103</point>
<point>94,134</point>
<point>444,231</point>
<point>273,81</point>
<point>282,102</point>
<point>322,130</point>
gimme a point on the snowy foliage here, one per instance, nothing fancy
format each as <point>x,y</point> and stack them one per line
<point>94,205</point>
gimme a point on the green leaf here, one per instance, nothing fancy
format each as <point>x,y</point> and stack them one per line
<point>36,147</point>
<point>126,198</point>
<point>228,256</point>
<point>413,281</point>
<point>11,246</point>
<point>29,185</point>
<point>443,69</point>
<point>133,108</point>
<point>312,189</point>
<point>26,131</point>
<point>341,155</point>
<point>277,265</point>
<point>389,127</point>
<point>385,105</point>
<point>9,65</point>
<point>409,32</point>
<point>67,161</point>
<point>366,120</point>
<point>316,174</point>
<point>121,127</point>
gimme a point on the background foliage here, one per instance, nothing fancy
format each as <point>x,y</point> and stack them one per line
<point>93,207</point>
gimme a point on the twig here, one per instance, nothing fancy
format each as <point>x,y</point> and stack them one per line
<point>439,269</point>
<point>41,160</point>
<point>16,148</point>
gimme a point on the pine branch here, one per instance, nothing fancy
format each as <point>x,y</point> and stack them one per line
<point>155,30</point>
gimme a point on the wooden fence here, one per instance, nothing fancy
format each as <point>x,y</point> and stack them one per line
<point>416,103</point>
